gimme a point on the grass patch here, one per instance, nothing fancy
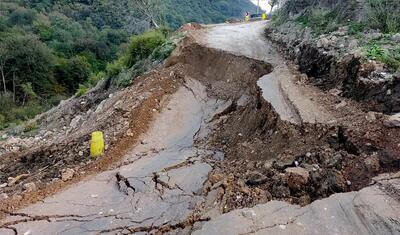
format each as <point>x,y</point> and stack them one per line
<point>374,51</point>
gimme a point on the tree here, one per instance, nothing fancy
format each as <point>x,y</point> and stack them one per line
<point>150,10</point>
<point>24,59</point>
<point>273,3</point>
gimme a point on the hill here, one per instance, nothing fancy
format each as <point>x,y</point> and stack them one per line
<point>49,48</point>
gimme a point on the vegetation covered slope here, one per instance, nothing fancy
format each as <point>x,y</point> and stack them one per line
<point>48,48</point>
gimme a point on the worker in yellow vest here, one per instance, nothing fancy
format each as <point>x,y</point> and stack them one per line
<point>247,17</point>
<point>264,16</point>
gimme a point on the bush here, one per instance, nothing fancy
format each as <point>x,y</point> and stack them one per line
<point>81,90</point>
<point>116,67</point>
<point>142,46</point>
<point>356,28</point>
<point>376,52</point>
<point>383,15</point>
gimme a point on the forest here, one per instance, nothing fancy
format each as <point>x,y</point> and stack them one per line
<point>49,48</point>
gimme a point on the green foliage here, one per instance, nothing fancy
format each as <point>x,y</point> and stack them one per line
<point>142,46</point>
<point>375,51</point>
<point>384,15</point>
<point>356,28</point>
<point>320,20</point>
<point>14,113</point>
<point>50,50</point>
<point>116,67</point>
<point>81,90</point>
<point>30,126</point>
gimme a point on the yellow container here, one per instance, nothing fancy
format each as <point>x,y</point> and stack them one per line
<point>97,144</point>
<point>264,16</point>
<point>247,18</point>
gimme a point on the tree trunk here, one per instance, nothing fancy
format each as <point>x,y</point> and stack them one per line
<point>4,79</point>
<point>154,23</point>
<point>13,80</point>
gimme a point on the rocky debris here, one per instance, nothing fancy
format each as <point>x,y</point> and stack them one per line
<point>30,187</point>
<point>393,121</point>
<point>396,37</point>
<point>372,163</point>
<point>67,174</point>
<point>336,60</point>
<point>379,215</point>
<point>297,177</point>
<point>14,180</point>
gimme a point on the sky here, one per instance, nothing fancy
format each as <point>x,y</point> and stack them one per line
<point>263,4</point>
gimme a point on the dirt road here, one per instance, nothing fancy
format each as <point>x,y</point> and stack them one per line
<point>293,103</point>
<point>167,183</point>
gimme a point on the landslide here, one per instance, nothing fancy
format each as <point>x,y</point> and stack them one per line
<point>267,158</point>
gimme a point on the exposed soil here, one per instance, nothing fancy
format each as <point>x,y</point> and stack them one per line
<point>265,157</point>
<point>45,164</point>
<point>343,68</point>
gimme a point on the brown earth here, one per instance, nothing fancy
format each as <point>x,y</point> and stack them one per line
<point>265,158</point>
<point>41,169</point>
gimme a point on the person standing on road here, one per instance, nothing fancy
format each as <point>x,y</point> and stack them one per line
<point>247,17</point>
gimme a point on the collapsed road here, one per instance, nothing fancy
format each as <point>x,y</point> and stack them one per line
<point>239,131</point>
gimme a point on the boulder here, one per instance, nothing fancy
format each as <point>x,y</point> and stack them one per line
<point>393,121</point>
<point>297,176</point>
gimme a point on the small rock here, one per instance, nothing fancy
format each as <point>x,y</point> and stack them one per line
<point>94,196</point>
<point>30,187</point>
<point>308,154</point>
<point>67,174</point>
<point>296,178</point>
<point>372,163</point>
<point>370,116</point>
<point>5,136</point>
<point>396,37</point>
<point>353,44</point>
<point>348,182</point>
<point>393,121</point>
<point>3,196</point>
<point>28,232</point>
<point>255,178</point>
<point>80,153</point>
<point>341,104</point>
<point>17,197</point>
<point>249,214</point>
<point>3,185</point>
<point>74,122</point>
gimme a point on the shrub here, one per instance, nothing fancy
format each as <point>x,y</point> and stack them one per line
<point>115,67</point>
<point>376,52</point>
<point>81,90</point>
<point>142,46</point>
<point>383,15</point>
<point>356,28</point>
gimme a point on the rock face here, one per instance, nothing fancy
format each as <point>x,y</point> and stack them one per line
<point>373,210</point>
